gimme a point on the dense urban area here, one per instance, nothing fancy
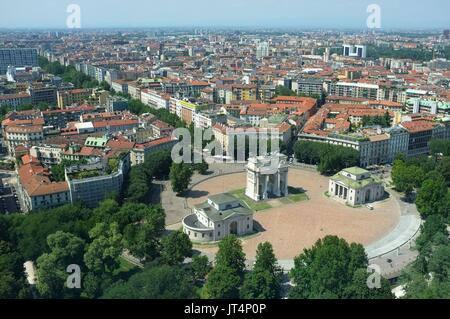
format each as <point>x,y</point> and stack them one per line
<point>89,184</point>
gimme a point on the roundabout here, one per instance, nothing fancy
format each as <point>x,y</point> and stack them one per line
<point>294,226</point>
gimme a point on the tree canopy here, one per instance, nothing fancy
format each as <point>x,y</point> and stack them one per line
<point>332,268</point>
<point>180,177</point>
<point>264,281</point>
<point>160,282</point>
<point>329,158</point>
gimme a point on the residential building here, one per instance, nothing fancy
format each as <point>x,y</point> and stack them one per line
<point>120,86</point>
<point>357,51</point>
<point>90,183</point>
<point>141,150</point>
<point>15,100</point>
<point>420,134</point>
<point>47,154</point>
<point>23,135</point>
<point>116,103</point>
<point>17,57</point>
<point>310,86</point>
<point>357,90</point>
<point>38,191</point>
<point>262,50</point>
<point>155,99</point>
<point>161,129</point>
<point>43,94</point>
<point>417,105</point>
<point>60,117</point>
<point>73,97</point>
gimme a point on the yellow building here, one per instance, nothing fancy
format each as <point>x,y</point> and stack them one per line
<point>73,97</point>
<point>244,92</point>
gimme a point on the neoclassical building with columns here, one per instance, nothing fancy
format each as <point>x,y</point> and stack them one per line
<point>355,186</point>
<point>218,217</point>
<point>267,176</point>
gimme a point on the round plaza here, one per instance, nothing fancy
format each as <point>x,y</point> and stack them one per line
<point>294,226</point>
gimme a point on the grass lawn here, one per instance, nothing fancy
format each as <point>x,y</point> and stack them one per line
<point>126,269</point>
<point>295,195</point>
<point>251,204</point>
<point>298,197</point>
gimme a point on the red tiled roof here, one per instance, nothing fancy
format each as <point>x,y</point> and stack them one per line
<point>155,142</point>
<point>114,123</point>
<point>418,126</point>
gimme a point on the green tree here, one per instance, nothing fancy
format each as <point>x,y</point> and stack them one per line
<point>438,146</point>
<point>431,231</point>
<point>428,278</point>
<point>223,283</point>
<point>439,264</point>
<point>102,254</point>
<point>225,279</point>
<point>329,158</point>
<point>105,211</point>
<point>264,281</point>
<point>12,277</point>
<point>105,85</point>
<point>406,177</point>
<point>138,185</point>
<point>200,267</point>
<point>230,255</point>
<point>32,230</point>
<point>142,227</point>
<point>327,270</point>
<point>95,284</point>
<point>160,282</point>
<point>176,247</point>
<point>281,90</point>
<point>202,167</point>
<point>180,177</point>
<point>158,164</point>
<point>432,198</point>
<point>358,289</point>
<point>443,168</point>
<point>65,249</point>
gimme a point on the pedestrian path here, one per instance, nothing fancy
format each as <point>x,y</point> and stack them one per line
<point>402,234</point>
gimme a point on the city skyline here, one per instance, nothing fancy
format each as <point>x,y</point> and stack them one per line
<point>235,13</point>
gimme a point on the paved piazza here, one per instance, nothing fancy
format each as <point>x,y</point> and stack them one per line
<point>293,227</point>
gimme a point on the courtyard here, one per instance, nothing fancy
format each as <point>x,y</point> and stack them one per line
<point>293,225</point>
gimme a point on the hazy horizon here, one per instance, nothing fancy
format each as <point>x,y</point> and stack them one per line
<point>290,14</point>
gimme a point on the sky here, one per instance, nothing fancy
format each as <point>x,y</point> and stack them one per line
<point>404,14</point>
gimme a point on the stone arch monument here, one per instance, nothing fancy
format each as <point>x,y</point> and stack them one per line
<point>267,176</point>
